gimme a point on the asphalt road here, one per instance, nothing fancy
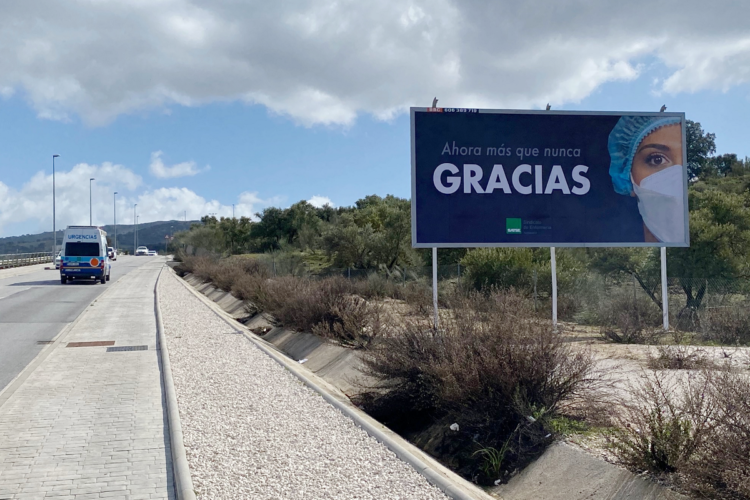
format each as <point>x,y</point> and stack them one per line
<point>36,307</point>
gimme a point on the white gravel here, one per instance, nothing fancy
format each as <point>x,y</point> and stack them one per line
<point>252,430</point>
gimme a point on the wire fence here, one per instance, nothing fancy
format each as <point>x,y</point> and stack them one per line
<point>24,259</point>
<point>586,298</point>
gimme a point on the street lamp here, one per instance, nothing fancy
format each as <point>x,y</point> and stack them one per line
<point>135,232</point>
<point>54,229</point>
<point>90,209</point>
<point>115,212</point>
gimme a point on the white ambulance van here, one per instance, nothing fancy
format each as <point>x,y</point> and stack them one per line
<point>84,254</point>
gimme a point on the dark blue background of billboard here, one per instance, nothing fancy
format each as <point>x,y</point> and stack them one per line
<point>600,216</point>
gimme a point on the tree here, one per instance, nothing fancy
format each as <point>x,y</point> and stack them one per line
<point>719,243</point>
<point>349,244</point>
<point>700,146</point>
<point>641,263</point>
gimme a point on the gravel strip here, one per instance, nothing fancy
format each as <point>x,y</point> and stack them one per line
<point>252,430</point>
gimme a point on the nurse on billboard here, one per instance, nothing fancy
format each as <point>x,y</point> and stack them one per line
<point>647,163</point>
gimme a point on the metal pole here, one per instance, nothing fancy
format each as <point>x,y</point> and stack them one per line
<point>534,289</point>
<point>91,223</point>
<point>434,285</point>
<point>664,297</point>
<point>115,212</point>
<point>54,228</point>
<point>553,261</point>
<point>135,235</point>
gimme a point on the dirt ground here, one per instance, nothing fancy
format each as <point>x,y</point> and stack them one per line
<point>625,365</point>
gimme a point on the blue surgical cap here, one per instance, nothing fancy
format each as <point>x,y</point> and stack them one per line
<point>623,143</point>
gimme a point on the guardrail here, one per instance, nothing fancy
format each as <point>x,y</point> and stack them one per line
<point>24,259</point>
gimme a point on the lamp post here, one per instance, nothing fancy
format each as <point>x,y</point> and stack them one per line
<point>114,204</point>
<point>90,209</point>
<point>135,234</point>
<point>54,228</point>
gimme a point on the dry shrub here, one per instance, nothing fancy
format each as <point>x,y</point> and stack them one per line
<point>679,357</point>
<point>352,321</point>
<point>627,327</point>
<point>200,266</point>
<point>418,297</point>
<point>376,286</point>
<point>722,467</point>
<point>495,371</point>
<point>693,431</point>
<point>665,422</point>
<point>623,317</point>
<point>301,303</point>
<point>730,326</point>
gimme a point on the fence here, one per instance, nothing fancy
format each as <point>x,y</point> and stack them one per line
<point>587,298</point>
<point>24,259</point>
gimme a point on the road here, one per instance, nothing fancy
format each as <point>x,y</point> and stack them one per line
<point>35,308</point>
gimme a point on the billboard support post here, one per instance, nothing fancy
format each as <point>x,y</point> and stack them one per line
<point>664,295</point>
<point>434,285</point>
<point>553,261</point>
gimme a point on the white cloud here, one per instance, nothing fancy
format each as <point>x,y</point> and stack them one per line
<point>184,169</point>
<point>320,201</point>
<point>327,61</point>
<point>30,206</point>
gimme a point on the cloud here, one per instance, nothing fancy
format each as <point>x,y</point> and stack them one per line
<point>30,207</point>
<point>326,61</point>
<point>184,169</point>
<point>320,201</point>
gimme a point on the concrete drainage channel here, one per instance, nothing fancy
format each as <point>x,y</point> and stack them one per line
<point>563,472</point>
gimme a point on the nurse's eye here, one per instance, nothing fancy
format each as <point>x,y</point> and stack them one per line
<point>657,160</point>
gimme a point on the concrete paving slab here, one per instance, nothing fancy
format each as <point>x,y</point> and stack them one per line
<point>87,422</point>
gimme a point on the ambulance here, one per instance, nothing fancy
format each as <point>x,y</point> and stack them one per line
<point>84,255</point>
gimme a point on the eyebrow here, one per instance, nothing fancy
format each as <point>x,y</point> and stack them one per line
<point>660,147</point>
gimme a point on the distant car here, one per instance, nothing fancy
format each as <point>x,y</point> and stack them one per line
<point>111,253</point>
<point>58,260</point>
<point>153,253</point>
<point>141,251</point>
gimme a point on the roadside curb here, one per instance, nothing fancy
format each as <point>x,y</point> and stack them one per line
<point>183,481</point>
<point>431,472</point>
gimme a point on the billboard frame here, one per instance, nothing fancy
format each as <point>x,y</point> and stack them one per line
<point>415,244</point>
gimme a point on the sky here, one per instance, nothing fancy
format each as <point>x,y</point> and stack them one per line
<point>187,108</point>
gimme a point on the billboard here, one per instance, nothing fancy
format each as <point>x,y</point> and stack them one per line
<point>548,178</point>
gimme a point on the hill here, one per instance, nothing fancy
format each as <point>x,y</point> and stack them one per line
<point>150,234</point>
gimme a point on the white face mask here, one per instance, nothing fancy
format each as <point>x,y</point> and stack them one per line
<point>661,204</point>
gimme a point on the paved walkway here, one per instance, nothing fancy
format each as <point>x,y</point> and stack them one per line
<point>88,423</point>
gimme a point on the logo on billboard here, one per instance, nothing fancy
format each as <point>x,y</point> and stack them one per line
<point>512,226</point>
